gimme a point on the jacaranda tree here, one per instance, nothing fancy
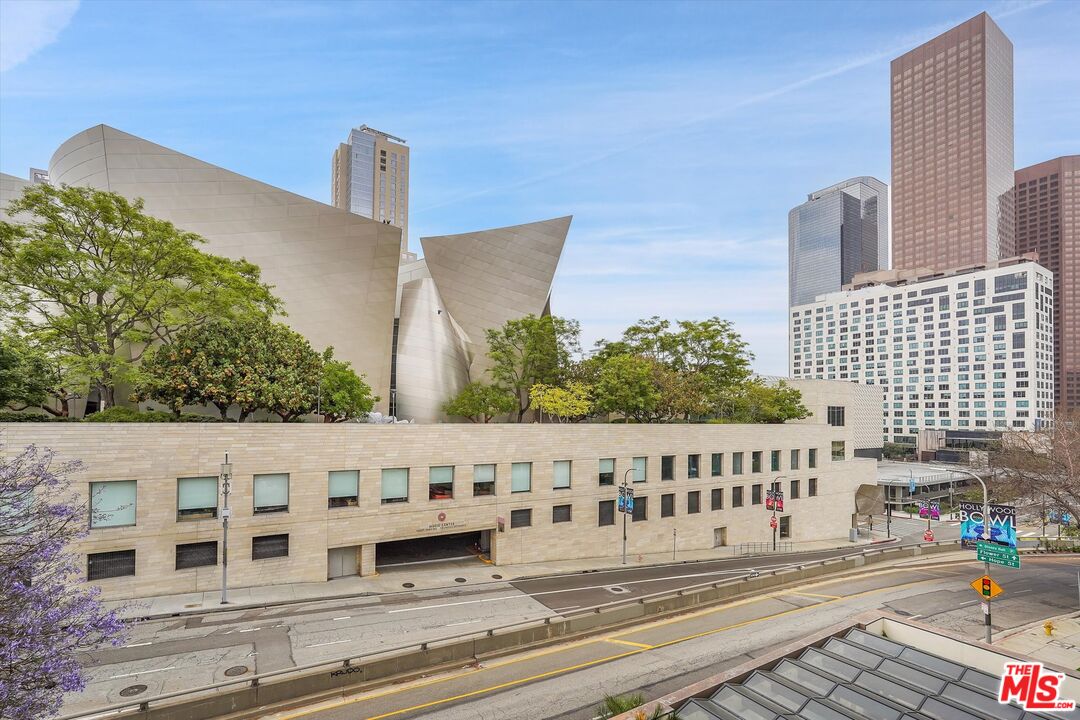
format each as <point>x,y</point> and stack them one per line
<point>46,617</point>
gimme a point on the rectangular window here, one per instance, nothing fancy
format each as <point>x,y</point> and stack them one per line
<point>755,461</point>
<point>794,494</point>
<point>641,466</point>
<point>718,498</point>
<point>561,513</point>
<point>265,547</point>
<point>344,488</point>
<point>271,493</point>
<point>641,509</point>
<point>811,489</point>
<point>693,502</point>
<point>667,505</point>
<point>521,518</point>
<point>483,480</point>
<point>560,474</point>
<point>811,458</point>
<point>441,482</point>
<point>112,504</point>
<point>118,563</point>
<point>774,461</point>
<point>737,496</point>
<point>192,555</point>
<point>794,459</point>
<point>395,485</point>
<point>605,513</point>
<point>838,450</point>
<point>736,463</point>
<point>667,467</point>
<point>521,477</point>
<point>717,464</point>
<point>836,415</point>
<point>607,471</point>
<point>755,494</point>
<point>693,466</point>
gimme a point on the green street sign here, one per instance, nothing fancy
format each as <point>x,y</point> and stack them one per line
<point>998,554</point>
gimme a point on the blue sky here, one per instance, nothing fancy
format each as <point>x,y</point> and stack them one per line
<point>677,134</point>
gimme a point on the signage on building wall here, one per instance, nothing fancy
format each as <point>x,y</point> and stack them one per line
<point>441,523</point>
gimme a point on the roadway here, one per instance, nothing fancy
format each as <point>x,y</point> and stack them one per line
<point>567,682</point>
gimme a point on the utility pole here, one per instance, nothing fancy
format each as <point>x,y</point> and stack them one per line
<point>624,488</point>
<point>226,478</point>
<point>674,535</point>
<point>888,510</point>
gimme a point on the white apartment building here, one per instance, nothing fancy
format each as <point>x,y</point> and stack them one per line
<point>969,349</point>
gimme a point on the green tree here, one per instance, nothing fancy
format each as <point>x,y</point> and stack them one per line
<point>567,404</point>
<point>624,385</point>
<point>253,364</point>
<point>24,374</point>
<point>531,350</point>
<point>343,394</point>
<point>755,401</point>
<point>478,402</point>
<point>92,280</point>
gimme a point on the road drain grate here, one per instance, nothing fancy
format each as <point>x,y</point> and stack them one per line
<point>408,585</point>
<point>132,690</point>
<point>617,589</point>
<point>497,577</point>
<point>236,670</point>
<point>459,579</point>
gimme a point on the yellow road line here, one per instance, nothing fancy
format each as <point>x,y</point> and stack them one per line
<point>590,663</point>
<point>629,642</point>
<point>816,595</point>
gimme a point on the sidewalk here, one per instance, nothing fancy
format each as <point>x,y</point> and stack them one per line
<point>419,577</point>
<point>1062,648</point>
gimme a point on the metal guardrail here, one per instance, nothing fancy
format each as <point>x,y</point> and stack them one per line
<point>759,548</point>
<point>344,663</point>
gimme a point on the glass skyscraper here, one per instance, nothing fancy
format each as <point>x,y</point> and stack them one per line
<point>839,231</point>
<point>370,177</point>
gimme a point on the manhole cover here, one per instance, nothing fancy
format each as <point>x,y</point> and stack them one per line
<point>408,585</point>
<point>236,670</point>
<point>459,579</point>
<point>497,577</point>
<point>617,589</point>
<point>132,690</point>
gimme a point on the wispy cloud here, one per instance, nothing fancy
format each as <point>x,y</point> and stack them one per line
<point>27,26</point>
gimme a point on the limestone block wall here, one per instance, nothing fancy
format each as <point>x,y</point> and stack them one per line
<point>155,455</point>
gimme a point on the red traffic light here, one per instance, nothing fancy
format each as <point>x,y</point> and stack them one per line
<point>986,587</point>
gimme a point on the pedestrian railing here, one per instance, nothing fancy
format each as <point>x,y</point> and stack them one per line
<point>346,666</point>
<point>758,548</point>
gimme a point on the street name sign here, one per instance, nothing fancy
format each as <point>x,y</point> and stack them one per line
<point>998,554</point>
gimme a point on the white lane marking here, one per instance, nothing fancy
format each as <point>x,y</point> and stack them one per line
<point>249,630</point>
<point>142,672</point>
<point>343,617</point>
<point>465,622</point>
<point>137,644</point>
<point>334,642</point>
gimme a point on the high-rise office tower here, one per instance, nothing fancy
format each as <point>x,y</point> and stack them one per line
<point>1048,223</point>
<point>837,232</point>
<point>952,149</point>
<point>370,177</point>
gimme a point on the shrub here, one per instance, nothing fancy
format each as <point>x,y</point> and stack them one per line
<point>126,414</point>
<point>12,416</point>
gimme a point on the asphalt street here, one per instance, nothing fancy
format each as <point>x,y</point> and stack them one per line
<point>567,682</point>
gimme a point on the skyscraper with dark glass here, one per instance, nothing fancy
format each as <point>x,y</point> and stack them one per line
<point>839,231</point>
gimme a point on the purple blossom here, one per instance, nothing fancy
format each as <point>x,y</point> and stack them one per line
<point>47,616</point>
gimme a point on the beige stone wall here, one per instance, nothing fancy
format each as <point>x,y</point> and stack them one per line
<point>156,455</point>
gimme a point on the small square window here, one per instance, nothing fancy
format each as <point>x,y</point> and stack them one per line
<point>737,463</point>
<point>269,546</point>
<point>811,459</point>
<point>641,509</point>
<point>641,466</point>
<point>103,565</point>
<point>441,482</point>
<point>737,496</point>
<point>605,513</point>
<point>717,464</point>
<point>839,450</point>
<point>561,474</point>
<point>192,555</point>
<point>607,471</point>
<point>693,502</point>
<point>755,461</point>
<point>521,518</point>
<point>395,485</point>
<point>343,488</point>
<point>667,505</point>
<point>794,494</point>
<point>483,480</point>
<point>755,494</point>
<point>693,466</point>
<point>561,513</point>
<point>521,477</point>
<point>717,498</point>
<point>811,489</point>
<point>667,467</point>
<point>271,493</point>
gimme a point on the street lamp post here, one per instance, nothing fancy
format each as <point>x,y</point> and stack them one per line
<point>985,532</point>
<point>625,475</point>
<point>777,493</point>
<point>226,478</point>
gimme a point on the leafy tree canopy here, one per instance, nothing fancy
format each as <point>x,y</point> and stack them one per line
<point>531,350</point>
<point>570,403</point>
<point>24,374</point>
<point>344,394</point>
<point>478,402</point>
<point>92,280</point>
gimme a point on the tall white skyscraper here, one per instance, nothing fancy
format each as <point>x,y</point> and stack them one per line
<point>370,177</point>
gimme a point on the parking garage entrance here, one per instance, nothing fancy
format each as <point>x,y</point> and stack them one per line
<point>432,549</point>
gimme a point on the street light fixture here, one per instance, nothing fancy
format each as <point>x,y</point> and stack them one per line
<point>226,480</point>
<point>777,495</point>
<point>625,475</point>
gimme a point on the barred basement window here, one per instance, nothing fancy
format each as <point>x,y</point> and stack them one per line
<point>641,509</point>
<point>836,415</point>
<point>561,513</point>
<point>198,554</point>
<point>605,513</point>
<point>521,518</point>
<point>119,563</point>
<point>269,546</point>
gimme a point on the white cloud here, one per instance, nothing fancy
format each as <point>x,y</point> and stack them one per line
<point>27,26</point>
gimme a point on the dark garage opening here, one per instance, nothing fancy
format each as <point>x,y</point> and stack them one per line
<point>428,549</point>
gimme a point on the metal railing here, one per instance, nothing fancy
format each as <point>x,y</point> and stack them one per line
<point>344,663</point>
<point>759,548</point>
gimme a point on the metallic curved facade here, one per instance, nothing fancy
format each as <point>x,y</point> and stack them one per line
<point>490,276</point>
<point>336,271</point>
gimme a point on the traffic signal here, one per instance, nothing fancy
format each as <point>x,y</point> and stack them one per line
<point>986,587</point>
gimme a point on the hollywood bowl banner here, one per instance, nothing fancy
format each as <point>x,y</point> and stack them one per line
<point>1002,524</point>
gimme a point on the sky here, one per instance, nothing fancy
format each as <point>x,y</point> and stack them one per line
<point>677,134</point>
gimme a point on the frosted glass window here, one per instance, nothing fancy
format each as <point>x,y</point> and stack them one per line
<point>272,493</point>
<point>483,480</point>
<point>521,477</point>
<point>607,471</point>
<point>112,504</point>
<point>562,474</point>
<point>441,482</point>
<point>344,488</point>
<point>395,485</point>
<point>196,498</point>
